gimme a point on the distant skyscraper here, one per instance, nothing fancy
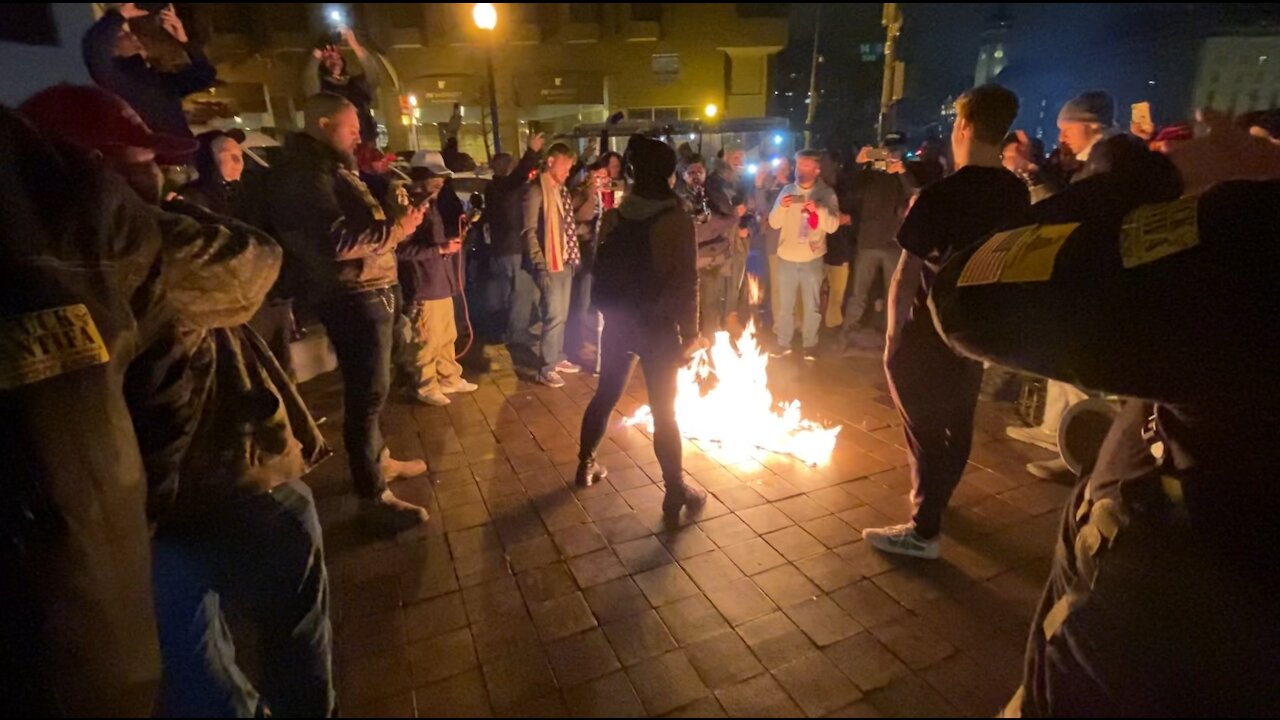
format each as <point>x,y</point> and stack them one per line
<point>991,52</point>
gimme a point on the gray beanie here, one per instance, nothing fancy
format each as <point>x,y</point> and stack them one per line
<point>1093,106</point>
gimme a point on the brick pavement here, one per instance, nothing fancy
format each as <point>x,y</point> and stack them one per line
<point>526,596</point>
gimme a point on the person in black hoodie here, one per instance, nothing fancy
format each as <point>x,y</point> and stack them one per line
<point>648,292</point>
<point>118,61</point>
<point>503,216</point>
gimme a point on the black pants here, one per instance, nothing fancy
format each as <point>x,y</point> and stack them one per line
<point>936,392</point>
<point>625,342</point>
<point>359,326</point>
<point>274,323</point>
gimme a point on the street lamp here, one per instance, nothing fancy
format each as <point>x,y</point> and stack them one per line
<point>710,110</point>
<point>486,18</point>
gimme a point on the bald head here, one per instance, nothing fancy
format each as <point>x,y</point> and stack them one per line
<point>332,119</point>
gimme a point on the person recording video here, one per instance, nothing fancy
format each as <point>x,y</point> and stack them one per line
<point>327,71</point>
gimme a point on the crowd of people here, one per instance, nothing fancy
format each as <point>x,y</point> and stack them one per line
<point>158,441</point>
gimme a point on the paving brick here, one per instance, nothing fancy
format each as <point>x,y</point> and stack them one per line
<point>518,677</point>
<point>643,554</point>
<point>562,617</point>
<point>686,542</point>
<point>665,585</point>
<point>831,531</point>
<point>532,553</point>
<point>866,662</point>
<point>639,637</point>
<point>579,540</point>
<point>911,697</point>
<point>727,530</point>
<point>759,697</point>
<point>868,604</point>
<point>442,657</point>
<point>740,601</point>
<point>823,621</point>
<point>765,519</point>
<point>598,567</point>
<point>462,695</point>
<point>711,570</point>
<point>754,556</point>
<point>692,619</point>
<point>546,583</point>
<point>786,586</point>
<point>913,642</point>
<point>775,639</point>
<point>816,685</point>
<point>723,660</point>
<point>616,599</point>
<point>667,682</point>
<point>579,658</point>
<point>434,617</point>
<point>794,544</point>
<point>624,528</point>
<point>608,697</point>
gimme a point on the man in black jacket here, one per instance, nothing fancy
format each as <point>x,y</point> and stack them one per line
<point>342,239</point>
<point>505,219</point>
<point>118,61</point>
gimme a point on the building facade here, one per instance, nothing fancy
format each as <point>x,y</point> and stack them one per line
<point>556,65</point>
<point>1239,72</point>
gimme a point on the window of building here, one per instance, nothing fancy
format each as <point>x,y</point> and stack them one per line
<point>28,24</point>
<point>585,12</point>
<point>646,12</point>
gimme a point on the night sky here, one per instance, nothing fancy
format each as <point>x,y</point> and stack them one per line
<point>1055,51</point>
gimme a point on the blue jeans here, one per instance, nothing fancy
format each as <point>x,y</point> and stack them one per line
<point>262,553</point>
<point>581,328</point>
<point>360,328</point>
<point>555,313</point>
<point>504,286</point>
<point>868,264</point>
<point>807,278</point>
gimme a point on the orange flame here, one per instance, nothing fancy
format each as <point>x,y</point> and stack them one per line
<point>738,412</point>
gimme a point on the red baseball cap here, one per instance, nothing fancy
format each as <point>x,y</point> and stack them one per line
<point>91,118</point>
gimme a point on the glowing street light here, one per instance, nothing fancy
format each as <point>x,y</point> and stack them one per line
<point>486,18</point>
<point>710,110</point>
<point>485,15</point>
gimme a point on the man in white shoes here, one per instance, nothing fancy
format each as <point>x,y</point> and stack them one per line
<point>934,389</point>
<point>429,274</point>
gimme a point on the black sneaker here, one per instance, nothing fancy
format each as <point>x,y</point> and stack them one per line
<point>779,351</point>
<point>589,473</point>
<point>811,353</point>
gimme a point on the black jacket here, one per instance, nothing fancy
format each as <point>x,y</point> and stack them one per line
<point>156,96</point>
<point>329,223</point>
<point>502,209</point>
<point>880,203</point>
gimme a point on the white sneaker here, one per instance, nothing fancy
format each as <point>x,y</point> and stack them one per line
<point>435,397</point>
<point>901,540</point>
<point>1033,436</point>
<point>1055,469</point>
<point>462,386</point>
<point>551,378</point>
<point>565,366</point>
<point>394,469</point>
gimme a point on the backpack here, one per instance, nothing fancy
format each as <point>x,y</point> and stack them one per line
<point>624,275</point>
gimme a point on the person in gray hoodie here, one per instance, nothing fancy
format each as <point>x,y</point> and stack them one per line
<point>805,212</point>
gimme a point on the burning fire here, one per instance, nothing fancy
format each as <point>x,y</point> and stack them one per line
<point>723,398</point>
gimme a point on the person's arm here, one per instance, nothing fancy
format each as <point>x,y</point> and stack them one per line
<point>828,211</point>
<point>531,203</point>
<point>427,241</point>
<point>313,206</point>
<point>368,63</point>
<point>198,76</point>
<point>311,74</point>
<point>215,271</point>
<point>902,293</point>
<point>675,261</point>
<point>585,202</point>
<point>778,215</point>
